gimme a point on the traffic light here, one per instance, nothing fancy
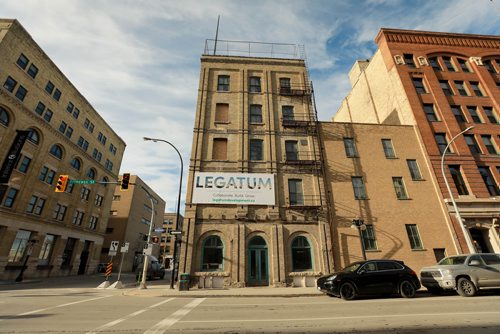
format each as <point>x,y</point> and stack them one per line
<point>125,181</point>
<point>62,182</point>
<point>155,239</point>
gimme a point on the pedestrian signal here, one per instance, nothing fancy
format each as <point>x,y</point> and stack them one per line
<point>62,182</point>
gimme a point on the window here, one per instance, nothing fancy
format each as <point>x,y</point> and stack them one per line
<point>10,198</point>
<point>222,113</point>
<point>448,63</point>
<point>463,65</point>
<point>295,192</point>
<point>287,113</point>
<point>430,113</point>
<point>441,142</point>
<point>223,83</point>
<point>433,61</point>
<point>399,187</point>
<point>489,181</point>
<point>59,212</point>
<point>490,147</point>
<point>32,71</point>
<point>57,95</point>
<point>68,253</point>
<point>75,163</point>
<point>255,113</point>
<point>69,132</point>
<point>85,193</point>
<point>98,200</point>
<point>474,115</point>
<point>22,61</point>
<point>35,205</point>
<point>490,114</point>
<point>445,86</point>
<point>4,117</point>
<point>285,86</point>
<point>46,250</point>
<point>93,222</point>
<point>62,127</point>
<point>471,142</point>
<point>368,234</point>
<point>476,87</point>
<point>40,108</point>
<point>56,151</point>
<point>350,148</point>
<point>459,116</point>
<point>255,85</point>
<point>101,138</point>
<point>49,88</point>
<point>19,246</point>
<point>419,85</point>
<point>291,150</point>
<point>116,197</point>
<point>33,137</point>
<point>414,236</point>
<point>83,143</point>
<point>69,188</point>
<point>76,113</point>
<point>94,153</point>
<point>212,254</point>
<point>388,149</point>
<point>301,254</point>
<point>256,149</point>
<point>112,149</point>
<point>461,88</point>
<point>458,180</point>
<point>489,66</point>
<point>24,164</point>
<point>70,107</point>
<point>78,217</point>
<point>409,60</point>
<point>48,115</point>
<point>359,187</point>
<point>108,164</point>
<point>414,170</point>
<point>21,93</point>
<point>10,84</point>
<point>219,151</point>
<point>88,125</point>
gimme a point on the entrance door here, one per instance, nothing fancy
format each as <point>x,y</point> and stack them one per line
<point>257,263</point>
<point>84,256</point>
<point>479,241</point>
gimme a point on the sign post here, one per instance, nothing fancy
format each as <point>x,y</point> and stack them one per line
<point>123,250</point>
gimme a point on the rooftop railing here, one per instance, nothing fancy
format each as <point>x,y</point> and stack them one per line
<point>254,49</point>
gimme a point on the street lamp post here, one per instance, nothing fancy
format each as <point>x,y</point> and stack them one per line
<point>174,260</point>
<point>145,265</point>
<point>472,249</point>
<point>359,224</point>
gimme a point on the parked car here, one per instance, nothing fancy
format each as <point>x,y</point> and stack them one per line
<point>155,269</point>
<point>372,277</point>
<point>464,273</point>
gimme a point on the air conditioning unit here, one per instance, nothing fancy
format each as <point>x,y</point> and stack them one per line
<point>399,60</point>
<point>422,61</point>
<point>476,60</point>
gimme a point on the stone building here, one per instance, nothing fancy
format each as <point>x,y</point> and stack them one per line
<point>441,83</point>
<point>129,222</point>
<point>47,129</point>
<point>167,240</point>
<point>255,206</point>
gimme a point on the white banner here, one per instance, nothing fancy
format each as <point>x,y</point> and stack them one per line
<point>233,188</point>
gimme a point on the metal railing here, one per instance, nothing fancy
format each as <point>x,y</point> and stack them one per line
<point>253,49</point>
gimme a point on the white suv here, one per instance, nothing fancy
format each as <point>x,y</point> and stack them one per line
<point>464,273</point>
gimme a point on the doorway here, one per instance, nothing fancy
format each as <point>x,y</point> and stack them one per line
<point>479,241</point>
<point>84,256</point>
<point>257,274</point>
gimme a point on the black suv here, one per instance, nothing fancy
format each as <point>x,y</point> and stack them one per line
<point>373,277</point>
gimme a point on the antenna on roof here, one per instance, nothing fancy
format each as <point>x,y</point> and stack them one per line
<point>216,35</point>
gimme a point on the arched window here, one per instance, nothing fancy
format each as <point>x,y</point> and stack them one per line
<point>105,180</point>
<point>56,151</point>
<point>301,254</point>
<point>91,173</point>
<point>4,117</point>
<point>76,163</point>
<point>34,137</point>
<point>212,254</point>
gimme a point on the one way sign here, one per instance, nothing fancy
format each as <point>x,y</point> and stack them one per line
<point>113,248</point>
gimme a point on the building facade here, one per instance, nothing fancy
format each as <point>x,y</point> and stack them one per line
<point>255,205</point>
<point>53,233</point>
<point>167,240</point>
<point>129,222</point>
<point>442,83</point>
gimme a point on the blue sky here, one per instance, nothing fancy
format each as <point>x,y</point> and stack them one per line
<point>137,61</point>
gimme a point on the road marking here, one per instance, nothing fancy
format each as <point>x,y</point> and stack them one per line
<point>131,315</point>
<point>383,316</point>
<point>62,305</point>
<point>168,322</point>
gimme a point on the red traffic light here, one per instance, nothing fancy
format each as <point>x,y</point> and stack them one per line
<point>125,181</point>
<point>62,183</point>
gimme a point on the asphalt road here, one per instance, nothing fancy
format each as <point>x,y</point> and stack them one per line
<point>89,310</point>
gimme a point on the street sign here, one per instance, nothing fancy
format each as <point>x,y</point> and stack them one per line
<point>148,249</point>
<point>174,232</point>
<point>160,230</point>
<point>113,248</point>
<point>82,181</point>
<point>124,248</point>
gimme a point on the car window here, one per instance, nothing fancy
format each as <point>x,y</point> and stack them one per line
<point>387,265</point>
<point>491,259</point>
<point>352,268</point>
<point>475,257</point>
<point>370,266</point>
<point>452,260</point>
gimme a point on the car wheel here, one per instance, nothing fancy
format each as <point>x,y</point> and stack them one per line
<point>407,289</point>
<point>435,291</point>
<point>347,291</point>
<point>466,288</point>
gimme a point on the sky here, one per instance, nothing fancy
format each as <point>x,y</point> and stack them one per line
<point>137,61</point>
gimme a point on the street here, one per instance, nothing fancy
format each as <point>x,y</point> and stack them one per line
<point>76,309</point>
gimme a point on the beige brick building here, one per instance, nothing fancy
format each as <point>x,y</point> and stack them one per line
<point>66,136</point>
<point>167,241</point>
<point>129,221</point>
<point>255,207</point>
<point>441,83</point>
